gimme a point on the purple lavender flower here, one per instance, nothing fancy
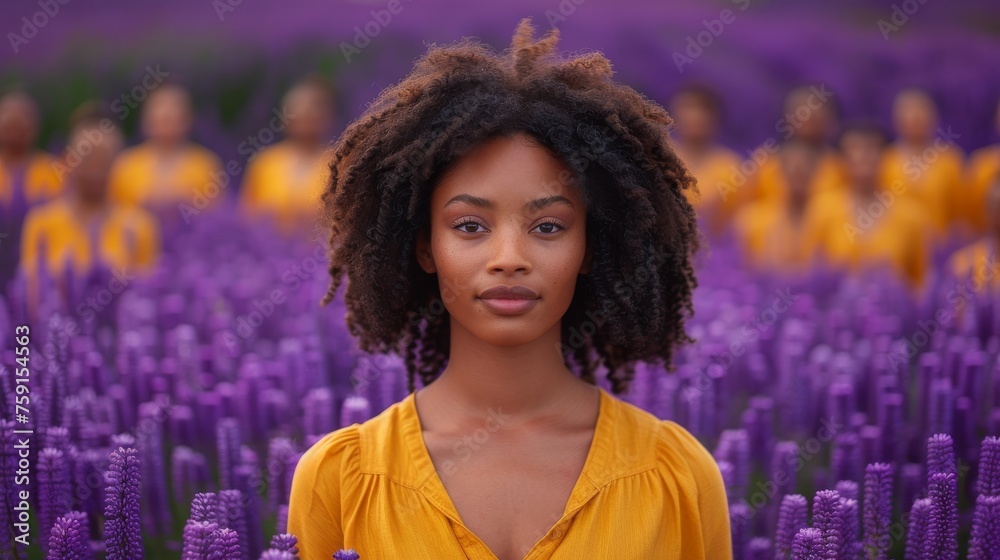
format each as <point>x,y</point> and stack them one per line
<point>69,538</point>
<point>940,454</point>
<point>828,517</point>
<point>848,489</point>
<point>232,515</point>
<point>228,441</point>
<point>285,541</point>
<point>739,521</point>
<point>793,516</point>
<point>989,467</point>
<point>809,545</point>
<point>54,497</point>
<point>985,544</point>
<point>916,534</point>
<point>275,554</point>
<point>205,507</point>
<point>759,549</point>
<point>877,510</point>
<point>941,542</point>
<point>196,538</point>
<point>122,532</point>
<point>346,554</point>
<point>223,544</point>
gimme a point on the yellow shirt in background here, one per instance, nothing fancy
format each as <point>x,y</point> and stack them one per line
<point>935,182</point>
<point>976,265</point>
<point>126,237</point>
<point>768,184</point>
<point>276,185</point>
<point>41,182</point>
<point>771,241</point>
<point>648,490</point>
<point>983,172</point>
<point>138,178</point>
<point>718,197</point>
<point>859,235</point>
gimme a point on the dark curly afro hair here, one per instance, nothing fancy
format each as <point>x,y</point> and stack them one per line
<point>631,306</point>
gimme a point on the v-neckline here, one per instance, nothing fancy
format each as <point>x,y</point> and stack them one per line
<point>583,488</point>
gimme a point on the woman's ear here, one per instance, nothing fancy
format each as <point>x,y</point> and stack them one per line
<point>424,256</point>
<point>588,258</point>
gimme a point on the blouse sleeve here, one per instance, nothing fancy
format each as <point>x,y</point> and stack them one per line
<point>314,505</point>
<point>713,505</point>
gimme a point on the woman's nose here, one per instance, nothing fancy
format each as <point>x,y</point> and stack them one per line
<point>509,250</point>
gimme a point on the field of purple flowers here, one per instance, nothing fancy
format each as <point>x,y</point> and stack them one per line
<point>171,415</point>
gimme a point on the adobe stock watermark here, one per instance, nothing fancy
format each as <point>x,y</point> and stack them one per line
<point>697,43</point>
<point>914,168</point>
<point>469,444</point>
<point>562,12</point>
<point>31,25</point>
<point>363,35</point>
<point>900,15</point>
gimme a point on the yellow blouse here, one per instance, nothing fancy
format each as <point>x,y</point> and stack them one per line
<point>648,489</point>
<point>275,185</point>
<point>136,178</point>
<point>859,235</point>
<point>983,171</point>
<point>933,181</point>
<point>40,180</point>
<point>127,237</point>
<point>768,184</point>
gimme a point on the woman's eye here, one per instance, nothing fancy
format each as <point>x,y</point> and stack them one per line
<point>549,227</point>
<point>469,227</point>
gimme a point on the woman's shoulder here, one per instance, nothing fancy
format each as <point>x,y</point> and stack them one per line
<point>671,447</point>
<point>333,451</point>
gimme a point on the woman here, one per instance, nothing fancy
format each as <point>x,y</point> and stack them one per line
<point>504,220</point>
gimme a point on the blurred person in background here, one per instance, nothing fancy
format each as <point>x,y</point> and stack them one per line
<point>83,229</point>
<point>696,110</point>
<point>27,176</point>
<point>866,225</point>
<point>978,260</point>
<point>781,235</point>
<point>283,182</point>
<point>168,168</point>
<point>809,120</point>
<point>923,162</point>
<point>983,172</point>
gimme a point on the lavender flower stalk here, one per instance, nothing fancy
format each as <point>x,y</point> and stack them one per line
<point>69,538</point>
<point>877,510</point>
<point>53,490</point>
<point>940,454</point>
<point>275,554</point>
<point>346,554</point>
<point>941,542</point>
<point>793,516</point>
<point>985,542</point>
<point>809,545</point>
<point>285,541</point>
<point>196,539</point>
<point>916,533</point>
<point>828,517</point>
<point>989,467</point>
<point>122,532</point>
<point>223,544</point>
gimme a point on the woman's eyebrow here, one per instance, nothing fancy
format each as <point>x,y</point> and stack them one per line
<point>537,204</point>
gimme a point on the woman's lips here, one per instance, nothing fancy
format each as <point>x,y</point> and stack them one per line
<point>509,306</point>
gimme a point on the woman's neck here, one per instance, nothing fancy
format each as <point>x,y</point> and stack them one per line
<point>528,384</point>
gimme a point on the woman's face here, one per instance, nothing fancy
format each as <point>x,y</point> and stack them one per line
<point>507,214</point>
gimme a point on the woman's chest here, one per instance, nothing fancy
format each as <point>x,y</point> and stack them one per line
<point>510,495</point>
